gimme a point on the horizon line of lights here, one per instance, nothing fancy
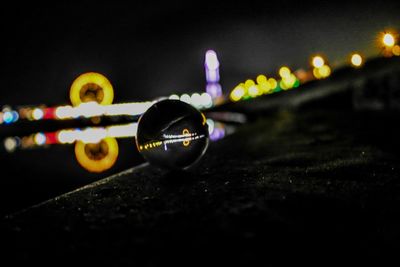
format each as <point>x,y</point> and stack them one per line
<point>93,109</point>
<point>91,135</point>
<point>85,110</point>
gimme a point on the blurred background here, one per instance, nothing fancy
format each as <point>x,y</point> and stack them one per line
<point>149,49</point>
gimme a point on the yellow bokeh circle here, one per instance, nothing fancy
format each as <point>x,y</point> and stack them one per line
<point>91,86</point>
<point>97,157</point>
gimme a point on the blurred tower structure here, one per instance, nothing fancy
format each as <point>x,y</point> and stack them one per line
<point>213,87</point>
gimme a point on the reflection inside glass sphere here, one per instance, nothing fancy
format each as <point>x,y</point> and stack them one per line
<point>172,134</point>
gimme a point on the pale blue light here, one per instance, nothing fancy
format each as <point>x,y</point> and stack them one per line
<point>8,117</point>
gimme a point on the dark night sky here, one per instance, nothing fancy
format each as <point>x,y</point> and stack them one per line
<point>149,49</point>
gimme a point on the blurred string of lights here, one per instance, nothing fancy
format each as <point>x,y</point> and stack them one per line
<point>263,85</point>
<point>320,69</point>
<point>85,110</point>
<point>93,135</point>
<point>92,94</point>
<point>93,109</point>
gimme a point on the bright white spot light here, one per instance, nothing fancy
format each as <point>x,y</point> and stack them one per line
<point>196,100</point>
<point>66,136</point>
<point>206,100</point>
<point>185,98</point>
<point>318,62</point>
<point>64,112</point>
<point>92,135</point>
<point>118,131</point>
<point>40,139</point>
<point>8,117</point>
<point>89,109</point>
<point>174,97</point>
<point>126,109</point>
<point>211,62</point>
<point>388,40</point>
<point>356,60</point>
<point>37,114</point>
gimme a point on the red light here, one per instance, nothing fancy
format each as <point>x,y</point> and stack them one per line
<point>51,138</point>
<point>49,113</point>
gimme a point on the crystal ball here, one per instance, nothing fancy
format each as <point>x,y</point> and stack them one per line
<point>172,134</point>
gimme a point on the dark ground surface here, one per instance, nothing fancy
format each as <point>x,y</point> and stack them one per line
<point>292,185</point>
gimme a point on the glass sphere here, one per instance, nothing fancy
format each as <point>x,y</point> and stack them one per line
<point>172,134</point>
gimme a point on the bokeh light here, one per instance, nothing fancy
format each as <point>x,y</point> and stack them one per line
<point>211,60</point>
<point>273,83</point>
<point>214,90</point>
<point>37,114</point>
<point>87,110</point>
<point>284,72</point>
<point>174,97</point>
<point>288,81</point>
<point>237,93</point>
<point>317,61</point>
<point>66,137</point>
<point>40,139</point>
<point>206,100</point>
<point>322,72</point>
<point>261,79</point>
<point>97,157</point>
<point>195,100</point>
<point>325,71</point>
<point>263,84</point>
<point>388,40</point>
<point>253,91</point>
<point>185,98</point>
<point>248,83</point>
<point>10,144</point>
<point>8,117</point>
<point>396,50</point>
<point>93,109</point>
<point>64,112</point>
<point>356,60</point>
<point>90,87</point>
<point>15,116</point>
